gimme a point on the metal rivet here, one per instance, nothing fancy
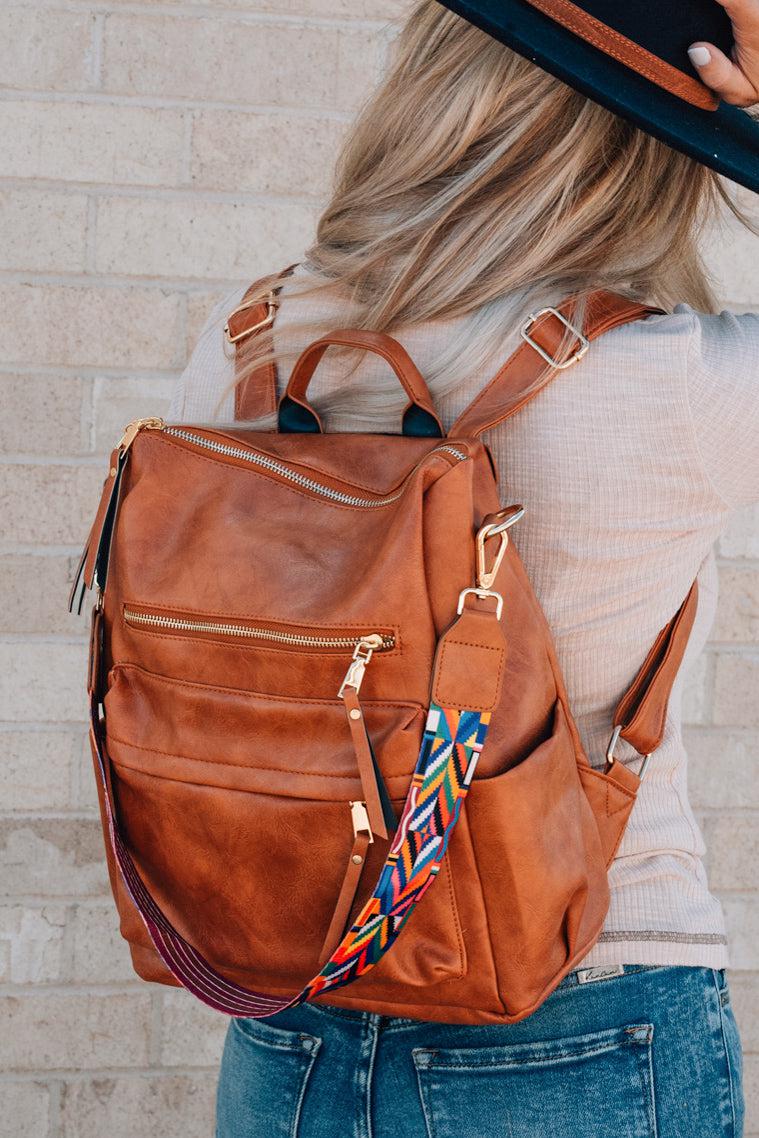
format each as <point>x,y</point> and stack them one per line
<point>357,859</point>
<point>355,713</point>
<point>112,472</point>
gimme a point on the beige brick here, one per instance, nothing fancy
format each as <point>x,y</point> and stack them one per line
<point>50,410</point>
<point>43,231</point>
<point>723,769</point>
<point>733,850</point>
<point>697,691</point>
<point>92,142</point>
<point>52,857</point>
<point>43,681</point>
<point>24,1110</point>
<point>200,305</point>
<point>51,505</point>
<point>264,153</point>
<point>751,1090</point>
<point>360,55</point>
<point>34,591</point>
<point>82,326</point>
<point>191,1034</point>
<point>100,954</point>
<point>50,1031</point>
<point>732,253</point>
<point>738,612</point>
<point>735,690</point>
<point>742,536</point>
<point>45,49</point>
<point>200,239</point>
<point>262,63</point>
<point>37,768</point>
<point>168,1106</point>
<point>34,936</point>
<point>119,401</point>
<point>742,918</point>
<point>744,993</point>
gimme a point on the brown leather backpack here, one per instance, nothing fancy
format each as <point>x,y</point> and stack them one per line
<point>320,680</point>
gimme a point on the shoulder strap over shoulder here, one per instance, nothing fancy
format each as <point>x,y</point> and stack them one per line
<point>543,354</point>
<point>256,395</point>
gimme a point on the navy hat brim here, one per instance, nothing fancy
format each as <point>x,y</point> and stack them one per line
<point>726,139</point>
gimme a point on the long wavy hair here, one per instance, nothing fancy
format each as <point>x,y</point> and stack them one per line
<point>474,183</point>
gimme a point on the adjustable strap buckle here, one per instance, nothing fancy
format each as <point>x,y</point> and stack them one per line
<point>583,343</point>
<point>610,759</point>
<point>272,305</point>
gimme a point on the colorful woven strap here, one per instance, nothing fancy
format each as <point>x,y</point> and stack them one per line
<point>452,742</point>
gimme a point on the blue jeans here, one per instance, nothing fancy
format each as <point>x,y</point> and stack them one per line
<point>652,1053</point>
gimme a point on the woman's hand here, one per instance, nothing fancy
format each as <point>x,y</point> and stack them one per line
<point>735,80</point>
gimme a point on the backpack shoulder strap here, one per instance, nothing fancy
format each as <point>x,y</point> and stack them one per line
<point>551,343</point>
<point>256,394</point>
<point>641,714</point>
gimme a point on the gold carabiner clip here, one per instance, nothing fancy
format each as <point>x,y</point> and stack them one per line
<point>497,526</point>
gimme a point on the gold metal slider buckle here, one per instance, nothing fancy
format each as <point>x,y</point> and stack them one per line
<point>611,760</point>
<point>560,365</point>
<point>272,304</point>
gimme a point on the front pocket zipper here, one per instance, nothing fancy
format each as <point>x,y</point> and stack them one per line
<point>139,618</point>
<point>274,465</point>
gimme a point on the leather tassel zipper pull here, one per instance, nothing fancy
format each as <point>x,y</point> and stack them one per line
<point>382,817</point>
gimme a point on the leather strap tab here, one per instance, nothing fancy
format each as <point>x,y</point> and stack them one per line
<point>345,898</point>
<point>642,712</point>
<point>526,372</point>
<point>469,661</point>
<point>366,765</point>
<point>256,394</point>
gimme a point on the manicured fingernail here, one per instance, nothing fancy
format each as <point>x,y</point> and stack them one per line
<point>699,56</point>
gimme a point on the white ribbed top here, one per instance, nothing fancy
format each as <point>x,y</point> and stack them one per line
<point>630,464</point>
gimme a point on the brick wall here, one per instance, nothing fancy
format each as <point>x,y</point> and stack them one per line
<point>151,155</point>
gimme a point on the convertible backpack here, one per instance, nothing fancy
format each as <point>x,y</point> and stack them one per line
<point>332,742</point>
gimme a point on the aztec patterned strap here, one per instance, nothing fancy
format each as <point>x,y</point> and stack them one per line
<point>451,747</point>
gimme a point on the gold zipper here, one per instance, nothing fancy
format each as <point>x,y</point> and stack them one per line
<point>378,642</point>
<point>267,462</point>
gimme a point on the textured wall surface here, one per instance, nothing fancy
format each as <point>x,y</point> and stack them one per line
<point>150,155</point>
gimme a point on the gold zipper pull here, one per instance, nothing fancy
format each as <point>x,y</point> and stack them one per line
<point>365,649</point>
<point>134,428</point>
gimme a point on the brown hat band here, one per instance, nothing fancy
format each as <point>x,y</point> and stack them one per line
<point>631,54</point>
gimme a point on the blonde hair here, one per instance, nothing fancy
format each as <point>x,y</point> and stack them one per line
<point>476,183</point>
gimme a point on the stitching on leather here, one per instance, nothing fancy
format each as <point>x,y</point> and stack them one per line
<point>179,611</point>
<point>200,687</point>
<point>239,766</point>
<point>437,694</point>
<point>595,32</point>
<point>251,468</point>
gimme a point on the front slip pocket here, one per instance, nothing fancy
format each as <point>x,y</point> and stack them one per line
<point>235,806</point>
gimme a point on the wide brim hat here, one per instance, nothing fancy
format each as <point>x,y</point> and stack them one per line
<point>633,59</point>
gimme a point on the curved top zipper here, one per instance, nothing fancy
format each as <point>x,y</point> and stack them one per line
<point>267,462</point>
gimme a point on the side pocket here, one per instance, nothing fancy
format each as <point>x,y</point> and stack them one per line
<point>263,1079</point>
<point>541,866</point>
<point>611,797</point>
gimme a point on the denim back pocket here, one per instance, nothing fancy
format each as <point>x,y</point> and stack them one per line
<point>264,1074</point>
<point>587,1086</point>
